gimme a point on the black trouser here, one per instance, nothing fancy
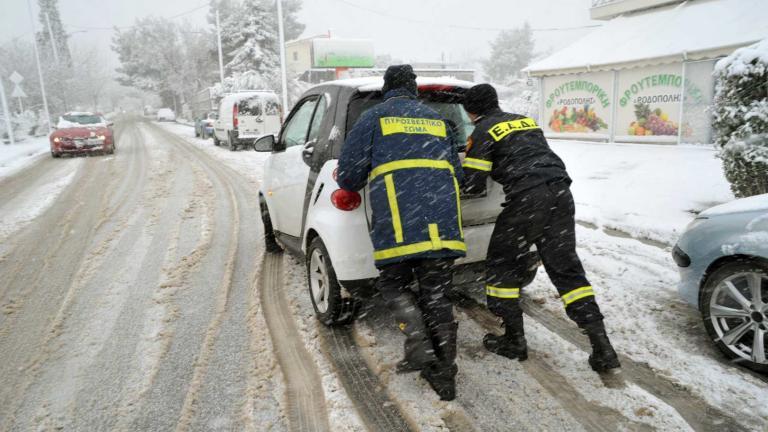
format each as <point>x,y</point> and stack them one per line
<point>430,304</point>
<point>541,216</point>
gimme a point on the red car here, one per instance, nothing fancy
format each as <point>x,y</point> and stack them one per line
<point>82,133</point>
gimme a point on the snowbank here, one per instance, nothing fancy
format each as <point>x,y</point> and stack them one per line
<point>647,191</point>
<point>15,157</point>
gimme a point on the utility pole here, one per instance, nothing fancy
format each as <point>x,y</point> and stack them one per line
<point>39,68</point>
<point>281,37</point>
<point>221,59</point>
<point>6,113</point>
<point>53,42</point>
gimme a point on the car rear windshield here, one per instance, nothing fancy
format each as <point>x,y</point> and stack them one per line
<point>447,103</point>
<point>249,107</point>
<point>83,119</point>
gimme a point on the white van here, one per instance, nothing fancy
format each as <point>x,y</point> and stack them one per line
<point>246,116</point>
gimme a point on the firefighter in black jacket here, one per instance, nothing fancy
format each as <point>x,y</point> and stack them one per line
<point>539,210</point>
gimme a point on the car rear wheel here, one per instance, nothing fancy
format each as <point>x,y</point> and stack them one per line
<point>231,142</point>
<point>216,141</point>
<point>331,308</point>
<point>734,306</point>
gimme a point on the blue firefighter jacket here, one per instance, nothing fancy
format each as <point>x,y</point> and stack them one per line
<point>407,154</point>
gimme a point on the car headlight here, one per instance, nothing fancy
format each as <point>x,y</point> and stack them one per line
<point>102,137</point>
<point>56,139</point>
<point>696,222</point>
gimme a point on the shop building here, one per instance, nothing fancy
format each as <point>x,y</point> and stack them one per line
<point>644,76</point>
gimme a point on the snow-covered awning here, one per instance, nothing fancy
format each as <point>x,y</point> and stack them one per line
<point>694,30</point>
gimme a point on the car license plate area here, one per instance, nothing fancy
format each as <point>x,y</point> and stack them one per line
<point>93,142</point>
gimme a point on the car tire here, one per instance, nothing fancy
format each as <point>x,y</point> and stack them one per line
<point>736,324</point>
<point>270,241</point>
<point>331,308</point>
<point>231,142</point>
<point>197,134</point>
<point>55,155</point>
<point>216,141</point>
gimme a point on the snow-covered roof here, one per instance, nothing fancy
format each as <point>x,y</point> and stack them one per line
<point>694,30</point>
<point>248,94</point>
<point>367,84</point>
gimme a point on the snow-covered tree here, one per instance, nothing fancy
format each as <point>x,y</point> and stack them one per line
<point>49,13</point>
<point>741,118</point>
<point>169,59</point>
<point>249,41</point>
<point>511,51</point>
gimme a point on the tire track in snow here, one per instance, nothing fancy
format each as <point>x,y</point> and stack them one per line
<point>697,412</point>
<point>304,392</point>
<point>376,409</point>
<point>592,416</point>
<point>79,218</point>
<point>259,342</point>
<point>176,270</point>
<point>188,409</point>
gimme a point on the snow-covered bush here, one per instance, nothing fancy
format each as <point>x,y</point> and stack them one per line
<point>741,118</point>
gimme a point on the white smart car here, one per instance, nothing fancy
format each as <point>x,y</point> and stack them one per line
<point>306,212</point>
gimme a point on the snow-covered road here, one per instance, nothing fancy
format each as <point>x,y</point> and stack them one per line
<point>135,294</point>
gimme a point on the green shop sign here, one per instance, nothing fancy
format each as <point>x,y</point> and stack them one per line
<point>660,80</point>
<point>331,61</point>
<point>579,86</point>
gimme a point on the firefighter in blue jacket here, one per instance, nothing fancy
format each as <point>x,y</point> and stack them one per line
<point>538,210</point>
<point>406,153</point>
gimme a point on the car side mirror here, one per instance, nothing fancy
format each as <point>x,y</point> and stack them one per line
<point>264,144</point>
<point>110,124</point>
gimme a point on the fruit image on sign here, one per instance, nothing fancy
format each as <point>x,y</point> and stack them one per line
<point>651,122</point>
<point>580,120</point>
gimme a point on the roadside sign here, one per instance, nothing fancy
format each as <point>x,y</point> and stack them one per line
<point>16,78</point>
<point>18,92</point>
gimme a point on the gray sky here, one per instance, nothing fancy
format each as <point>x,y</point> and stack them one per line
<point>407,29</point>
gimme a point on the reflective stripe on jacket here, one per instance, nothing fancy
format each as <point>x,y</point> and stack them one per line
<point>511,148</point>
<point>406,153</point>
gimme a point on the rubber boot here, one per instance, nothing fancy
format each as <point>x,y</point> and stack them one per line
<point>512,343</point>
<point>441,375</point>
<point>418,345</point>
<point>603,357</point>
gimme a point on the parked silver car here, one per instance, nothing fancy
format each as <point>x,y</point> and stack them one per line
<point>723,262</point>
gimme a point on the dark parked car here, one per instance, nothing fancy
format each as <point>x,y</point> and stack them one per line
<point>204,125</point>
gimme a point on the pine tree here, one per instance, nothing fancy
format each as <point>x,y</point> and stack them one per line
<point>741,119</point>
<point>511,51</point>
<point>49,12</point>
<point>249,40</point>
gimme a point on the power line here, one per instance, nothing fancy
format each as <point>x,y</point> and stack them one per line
<point>187,12</point>
<point>456,26</point>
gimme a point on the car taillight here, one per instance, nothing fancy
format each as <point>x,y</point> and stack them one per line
<point>345,200</point>
<point>335,174</point>
<point>235,112</point>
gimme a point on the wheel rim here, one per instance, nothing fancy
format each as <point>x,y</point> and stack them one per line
<point>318,280</point>
<point>739,314</point>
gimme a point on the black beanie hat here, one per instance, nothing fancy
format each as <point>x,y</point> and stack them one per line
<point>398,76</point>
<point>481,99</point>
